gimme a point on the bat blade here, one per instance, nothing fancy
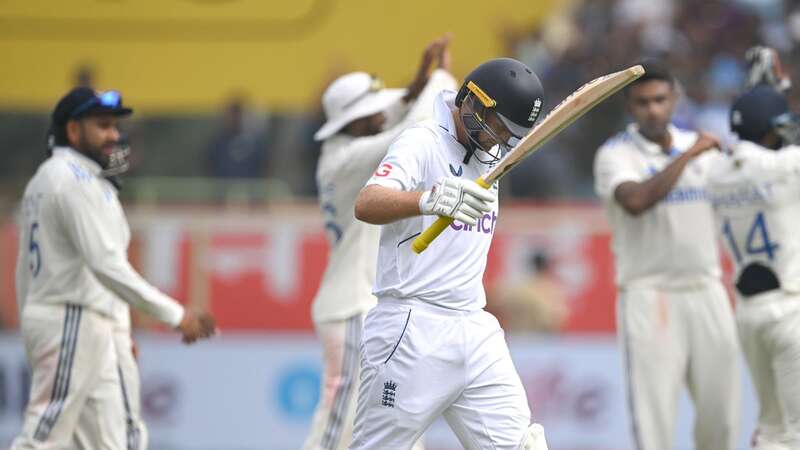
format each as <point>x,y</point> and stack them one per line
<point>568,111</point>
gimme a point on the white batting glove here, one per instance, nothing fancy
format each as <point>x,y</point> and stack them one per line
<point>461,199</point>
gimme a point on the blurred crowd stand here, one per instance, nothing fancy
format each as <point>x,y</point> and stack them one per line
<point>245,152</point>
<point>703,41</point>
<point>534,303</point>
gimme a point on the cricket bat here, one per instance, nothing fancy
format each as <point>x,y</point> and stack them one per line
<point>568,111</point>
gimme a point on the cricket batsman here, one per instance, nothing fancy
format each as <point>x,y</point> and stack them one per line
<point>429,348</point>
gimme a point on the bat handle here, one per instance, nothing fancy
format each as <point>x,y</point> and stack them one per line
<point>422,241</point>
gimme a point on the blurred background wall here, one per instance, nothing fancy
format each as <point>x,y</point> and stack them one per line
<point>221,191</point>
<point>203,73</point>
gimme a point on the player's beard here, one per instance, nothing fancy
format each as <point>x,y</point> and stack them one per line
<point>100,154</point>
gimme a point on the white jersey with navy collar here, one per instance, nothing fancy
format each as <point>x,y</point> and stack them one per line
<point>755,193</point>
<point>450,272</point>
<point>674,242</point>
<point>74,244</point>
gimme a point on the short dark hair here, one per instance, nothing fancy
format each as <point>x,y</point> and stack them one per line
<point>653,70</point>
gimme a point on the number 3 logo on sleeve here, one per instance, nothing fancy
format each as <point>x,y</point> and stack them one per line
<point>384,170</point>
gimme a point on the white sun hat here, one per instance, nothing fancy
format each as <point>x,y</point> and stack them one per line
<point>352,97</point>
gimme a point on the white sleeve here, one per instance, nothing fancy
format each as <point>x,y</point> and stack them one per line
<point>612,167</point>
<point>787,160</point>
<point>422,108</point>
<point>86,223</point>
<point>404,166</point>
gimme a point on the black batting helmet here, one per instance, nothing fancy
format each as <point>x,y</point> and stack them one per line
<point>760,110</point>
<point>512,87</point>
<point>507,88</point>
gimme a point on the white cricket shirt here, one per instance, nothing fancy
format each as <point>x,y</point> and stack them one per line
<point>755,193</point>
<point>674,242</point>
<point>346,163</point>
<point>74,237</point>
<point>450,272</point>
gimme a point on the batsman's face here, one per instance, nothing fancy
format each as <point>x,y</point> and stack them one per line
<point>498,132</point>
<point>489,130</point>
<point>651,104</point>
<point>97,137</point>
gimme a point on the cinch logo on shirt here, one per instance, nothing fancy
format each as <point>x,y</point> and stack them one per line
<point>384,170</point>
<point>485,224</point>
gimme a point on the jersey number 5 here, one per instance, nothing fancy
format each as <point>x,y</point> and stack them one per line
<point>757,238</point>
<point>33,247</point>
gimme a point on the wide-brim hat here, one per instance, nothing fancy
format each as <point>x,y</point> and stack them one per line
<point>351,97</point>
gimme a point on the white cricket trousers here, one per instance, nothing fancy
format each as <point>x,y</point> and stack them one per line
<point>675,338</point>
<point>769,330</point>
<point>420,361</point>
<point>129,389</point>
<point>332,425</point>
<point>75,380</point>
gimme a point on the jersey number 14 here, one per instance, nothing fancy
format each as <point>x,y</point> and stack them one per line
<point>757,241</point>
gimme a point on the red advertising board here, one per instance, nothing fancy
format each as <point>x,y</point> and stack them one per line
<point>260,271</point>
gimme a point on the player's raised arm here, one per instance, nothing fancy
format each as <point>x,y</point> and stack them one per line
<point>435,55</point>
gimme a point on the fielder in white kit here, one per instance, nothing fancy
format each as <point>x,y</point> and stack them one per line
<point>363,118</point>
<point>71,277</point>
<point>674,319</point>
<point>136,436</point>
<point>429,349</point>
<point>755,192</point>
